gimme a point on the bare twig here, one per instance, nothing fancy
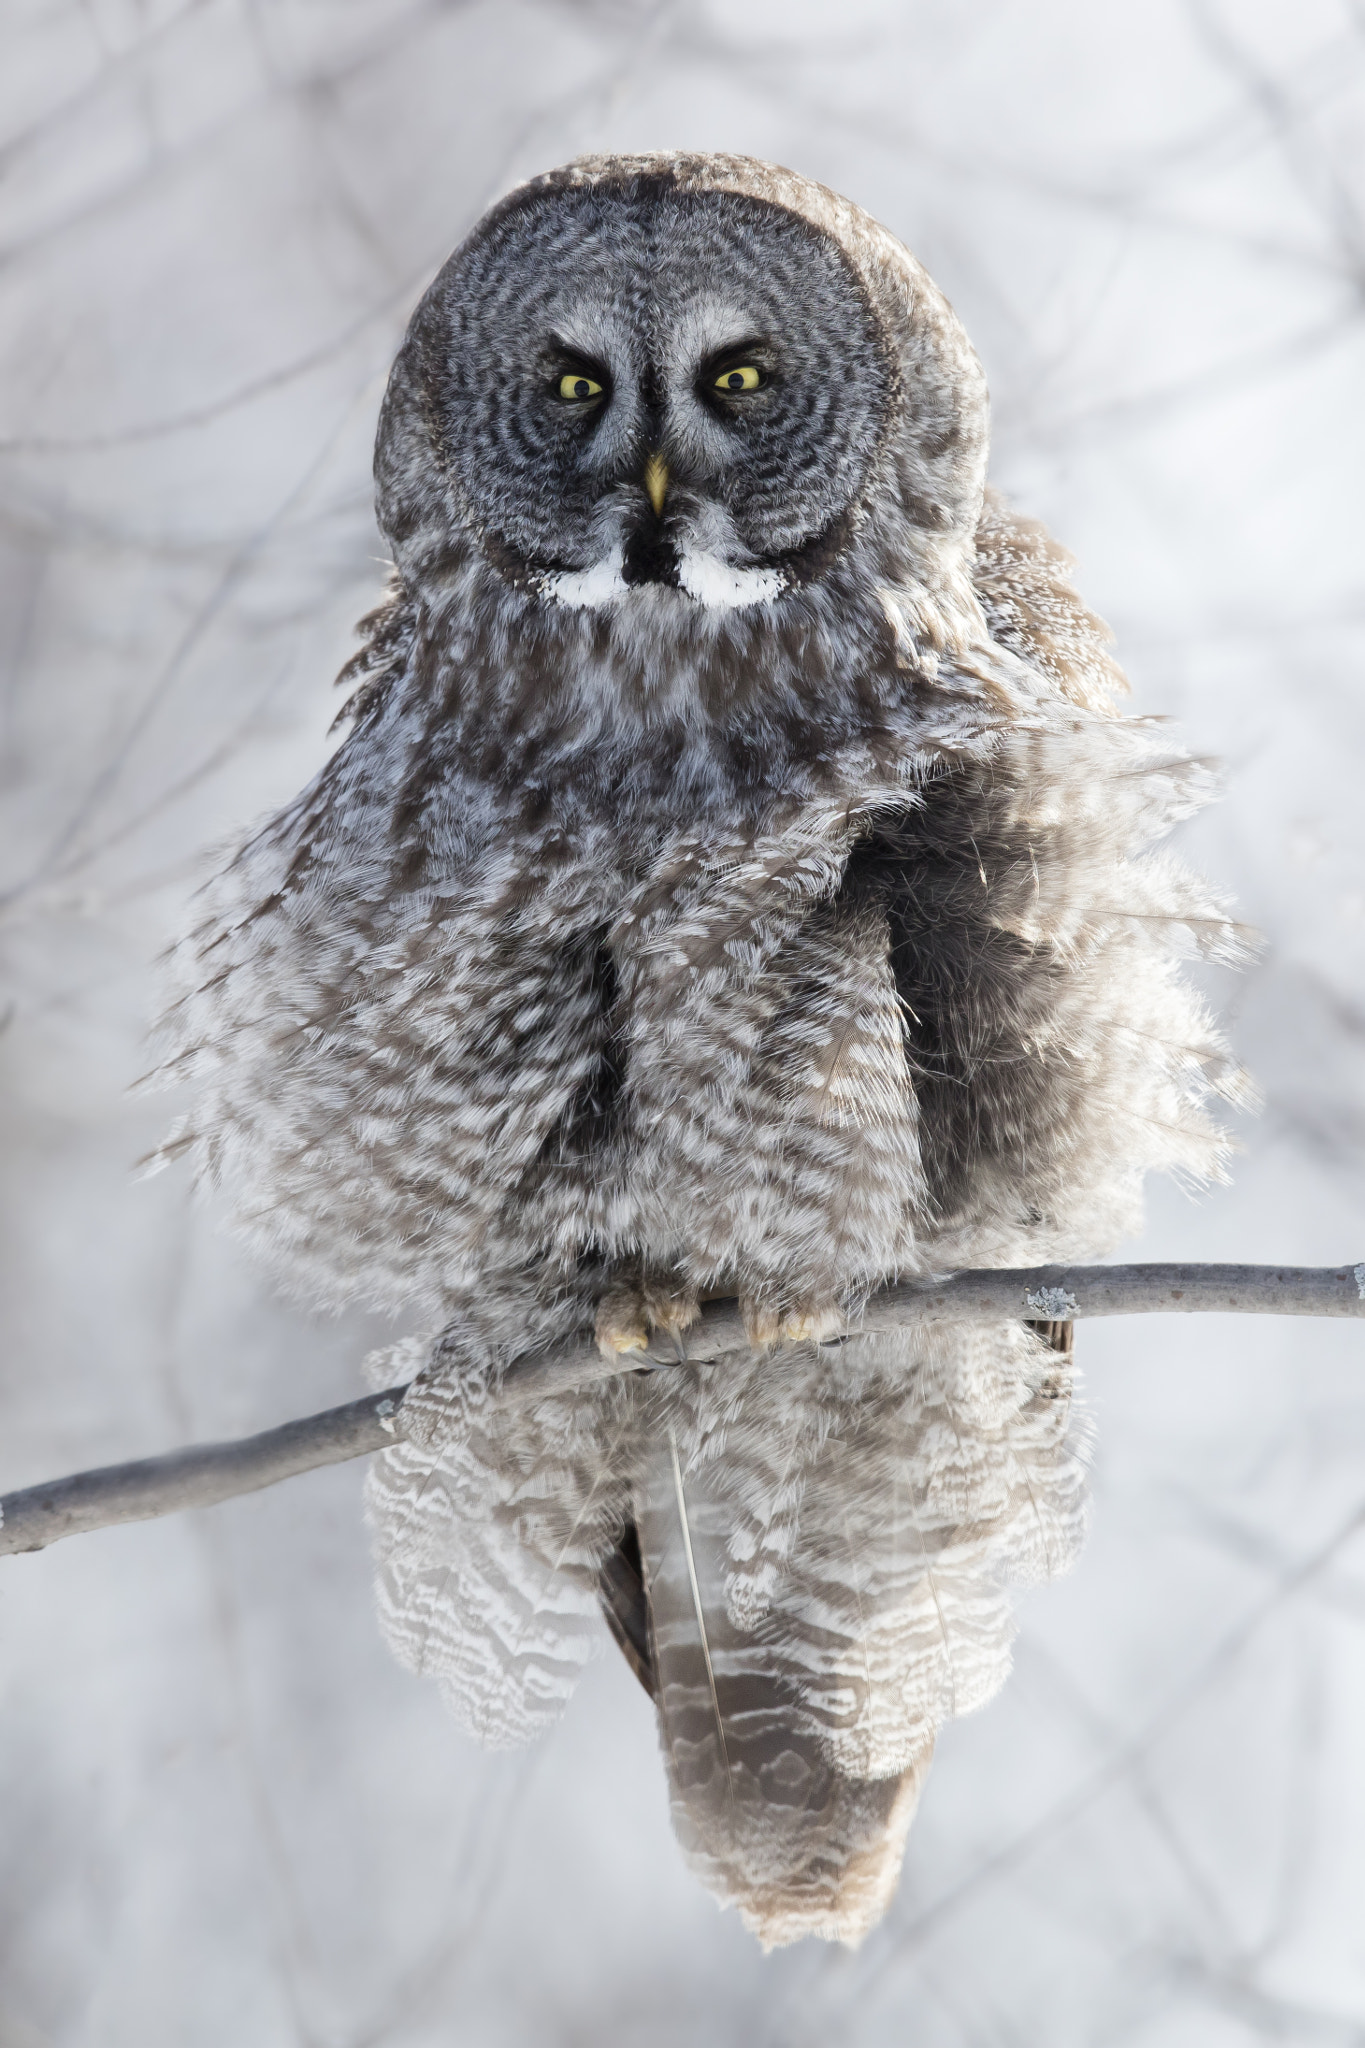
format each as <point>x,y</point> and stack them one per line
<point>208,1473</point>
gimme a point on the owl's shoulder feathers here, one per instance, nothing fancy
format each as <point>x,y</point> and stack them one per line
<point>1022,578</point>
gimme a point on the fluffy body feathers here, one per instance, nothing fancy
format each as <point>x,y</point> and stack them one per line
<point>640,946</point>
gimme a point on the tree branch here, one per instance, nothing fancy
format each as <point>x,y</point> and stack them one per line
<point>208,1473</point>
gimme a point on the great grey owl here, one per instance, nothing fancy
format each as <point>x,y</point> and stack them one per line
<point>734,881</point>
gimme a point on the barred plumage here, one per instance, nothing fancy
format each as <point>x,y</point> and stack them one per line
<point>751,894</point>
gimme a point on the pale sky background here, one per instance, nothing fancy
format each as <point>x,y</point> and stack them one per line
<point>226,1819</point>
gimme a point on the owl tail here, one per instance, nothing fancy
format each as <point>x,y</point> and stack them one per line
<point>765,1818</point>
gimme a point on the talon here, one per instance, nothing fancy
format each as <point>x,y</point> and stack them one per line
<point>765,1327</point>
<point>618,1331</point>
<point>814,1325</point>
<point>671,1309</point>
<point>762,1326</point>
<point>633,1309</point>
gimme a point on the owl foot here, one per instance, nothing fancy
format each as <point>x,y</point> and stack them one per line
<point>815,1324</point>
<point>634,1307</point>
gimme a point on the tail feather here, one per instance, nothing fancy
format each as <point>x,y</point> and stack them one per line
<point>763,1814</point>
<point>625,1605</point>
<point>797,1728</point>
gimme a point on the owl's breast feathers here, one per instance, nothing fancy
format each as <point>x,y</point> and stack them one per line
<point>463,1054</point>
<point>923,1013</point>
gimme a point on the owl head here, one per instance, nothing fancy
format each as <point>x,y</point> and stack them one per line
<point>682,389</point>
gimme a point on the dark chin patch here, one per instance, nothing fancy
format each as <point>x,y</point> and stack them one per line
<point>650,557</point>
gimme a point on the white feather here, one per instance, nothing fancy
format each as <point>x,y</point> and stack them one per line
<point>720,586</point>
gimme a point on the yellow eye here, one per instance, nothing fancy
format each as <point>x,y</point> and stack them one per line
<point>744,377</point>
<point>575,385</point>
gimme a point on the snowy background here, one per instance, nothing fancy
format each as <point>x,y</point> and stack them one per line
<point>226,1820</point>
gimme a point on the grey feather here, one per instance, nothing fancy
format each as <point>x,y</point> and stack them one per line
<point>754,895</point>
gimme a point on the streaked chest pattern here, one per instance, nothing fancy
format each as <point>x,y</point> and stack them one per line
<point>704,1061</point>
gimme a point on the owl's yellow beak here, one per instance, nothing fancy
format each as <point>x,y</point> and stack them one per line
<point>656,483</point>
